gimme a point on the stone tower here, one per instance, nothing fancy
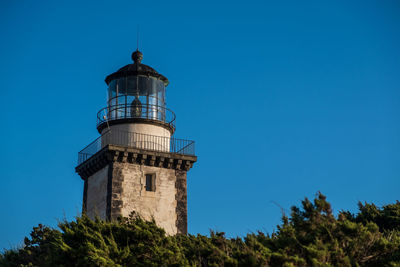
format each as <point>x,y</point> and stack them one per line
<point>136,164</point>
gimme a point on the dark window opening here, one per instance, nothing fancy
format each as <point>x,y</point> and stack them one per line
<point>150,182</point>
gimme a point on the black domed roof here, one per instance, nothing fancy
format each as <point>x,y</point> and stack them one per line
<point>137,68</point>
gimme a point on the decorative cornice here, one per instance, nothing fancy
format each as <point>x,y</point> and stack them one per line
<point>113,153</point>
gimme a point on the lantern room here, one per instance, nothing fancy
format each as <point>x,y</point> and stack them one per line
<point>136,94</point>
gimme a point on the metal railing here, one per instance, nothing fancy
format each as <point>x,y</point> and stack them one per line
<point>137,140</point>
<point>142,111</point>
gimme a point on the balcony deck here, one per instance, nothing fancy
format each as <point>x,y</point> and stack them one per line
<point>139,141</point>
<point>126,113</point>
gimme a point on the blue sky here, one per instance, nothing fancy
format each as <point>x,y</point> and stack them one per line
<point>283,99</point>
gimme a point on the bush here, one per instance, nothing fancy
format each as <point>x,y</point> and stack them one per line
<point>310,236</point>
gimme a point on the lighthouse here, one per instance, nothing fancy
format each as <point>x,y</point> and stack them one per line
<point>136,164</point>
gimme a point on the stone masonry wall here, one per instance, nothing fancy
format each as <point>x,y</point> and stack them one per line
<point>96,196</point>
<point>181,202</point>
<point>129,194</point>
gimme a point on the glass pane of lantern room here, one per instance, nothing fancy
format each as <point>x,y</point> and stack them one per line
<point>161,100</point>
<point>131,86</point>
<point>112,93</point>
<point>160,94</point>
<point>121,88</point>
<point>145,89</point>
<point>153,98</point>
<point>132,91</point>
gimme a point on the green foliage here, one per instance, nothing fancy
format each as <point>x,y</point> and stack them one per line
<point>310,236</point>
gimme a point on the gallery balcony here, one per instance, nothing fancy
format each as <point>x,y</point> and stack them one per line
<point>137,141</point>
<point>140,113</point>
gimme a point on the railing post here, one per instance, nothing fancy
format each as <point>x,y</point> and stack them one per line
<point>126,105</point>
